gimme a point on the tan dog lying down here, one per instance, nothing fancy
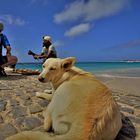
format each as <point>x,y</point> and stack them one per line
<point>82,108</point>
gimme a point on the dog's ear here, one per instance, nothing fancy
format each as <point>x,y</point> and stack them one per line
<point>67,63</point>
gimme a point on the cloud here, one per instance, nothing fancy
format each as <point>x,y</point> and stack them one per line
<point>9,19</point>
<point>130,44</point>
<point>90,10</point>
<point>78,29</point>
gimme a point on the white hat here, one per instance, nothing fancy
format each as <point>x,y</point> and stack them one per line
<point>47,38</point>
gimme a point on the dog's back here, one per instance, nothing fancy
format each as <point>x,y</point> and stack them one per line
<point>86,106</point>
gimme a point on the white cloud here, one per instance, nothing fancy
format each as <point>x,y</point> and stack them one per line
<point>127,45</point>
<point>78,29</point>
<point>9,19</point>
<point>90,10</point>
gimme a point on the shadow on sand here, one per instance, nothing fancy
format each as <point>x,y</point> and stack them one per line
<point>127,131</point>
<point>13,77</point>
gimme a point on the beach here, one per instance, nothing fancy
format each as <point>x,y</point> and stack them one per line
<point>21,110</point>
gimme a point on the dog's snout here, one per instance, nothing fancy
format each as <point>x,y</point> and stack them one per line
<point>41,79</point>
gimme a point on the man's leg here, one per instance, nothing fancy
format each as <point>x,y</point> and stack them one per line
<point>3,59</point>
<point>11,60</point>
<point>2,72</point>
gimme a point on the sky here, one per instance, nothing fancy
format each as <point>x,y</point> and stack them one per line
<point>90,30</point>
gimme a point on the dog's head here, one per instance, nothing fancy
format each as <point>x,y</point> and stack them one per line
<point>54,68</point>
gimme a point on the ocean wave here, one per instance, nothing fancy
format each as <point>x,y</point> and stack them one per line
<point>116,76</point>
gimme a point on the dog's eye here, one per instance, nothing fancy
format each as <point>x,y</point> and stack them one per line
<point>43,66</point>
<point>52,68</point>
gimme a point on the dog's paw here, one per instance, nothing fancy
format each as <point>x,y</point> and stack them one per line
<point>38,94</point>
<point>49,91</point>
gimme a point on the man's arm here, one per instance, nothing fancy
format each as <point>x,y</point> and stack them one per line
<point>50,52</point>
<point>8,50</point>
<point>6,45</point>
<point>41,56</point>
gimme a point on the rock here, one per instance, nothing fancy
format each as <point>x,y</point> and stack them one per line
<point>134,98</point>
<point>127,101</point>
<point>122,137</point>
<point>43,103</point>
<point>19,93</point>
<point>27,102</point>
<point>138,115</point>
<point>13,102</point>
<point>18,112</point>
<point>135,120</point>
<point>40,115</point>
<point>35,108</point>
<point>5,95</point>
<point>126,109</point>
<point>27,123</point>
<point>25,97</point>
<point>1,119</point>
<point>137,106</point>
<point>2,105</point>
<point>6,130</point>
<point>128,129</point>
<point>32,94</point>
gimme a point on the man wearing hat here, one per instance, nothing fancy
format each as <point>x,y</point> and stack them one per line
<point>48,50</point>
<point>8,59</point>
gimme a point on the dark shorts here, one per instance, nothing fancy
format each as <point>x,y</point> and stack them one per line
<point>3,60</point>
<point>50,56</point>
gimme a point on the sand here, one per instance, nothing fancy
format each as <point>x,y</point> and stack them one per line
<point>21,110</point>
<point>127,85</point>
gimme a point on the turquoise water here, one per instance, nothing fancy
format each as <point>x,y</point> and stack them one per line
<point>88,66</point>
<point>103,66</point>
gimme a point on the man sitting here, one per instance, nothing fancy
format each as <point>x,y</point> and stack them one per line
<point>8,59</point>
<point>48,50</point>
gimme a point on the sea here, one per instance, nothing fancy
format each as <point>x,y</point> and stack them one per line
<point>130,69</point>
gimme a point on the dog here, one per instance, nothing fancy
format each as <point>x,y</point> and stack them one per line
<point>80,108</point>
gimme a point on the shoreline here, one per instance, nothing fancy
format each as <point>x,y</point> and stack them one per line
<point>116,76</point>
<point>123,72</point>
<point>94,67</point>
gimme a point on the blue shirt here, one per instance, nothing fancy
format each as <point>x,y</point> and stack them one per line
<point>3,42</point>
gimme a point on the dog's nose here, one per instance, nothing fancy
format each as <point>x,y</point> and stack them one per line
<point>41,79</point>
